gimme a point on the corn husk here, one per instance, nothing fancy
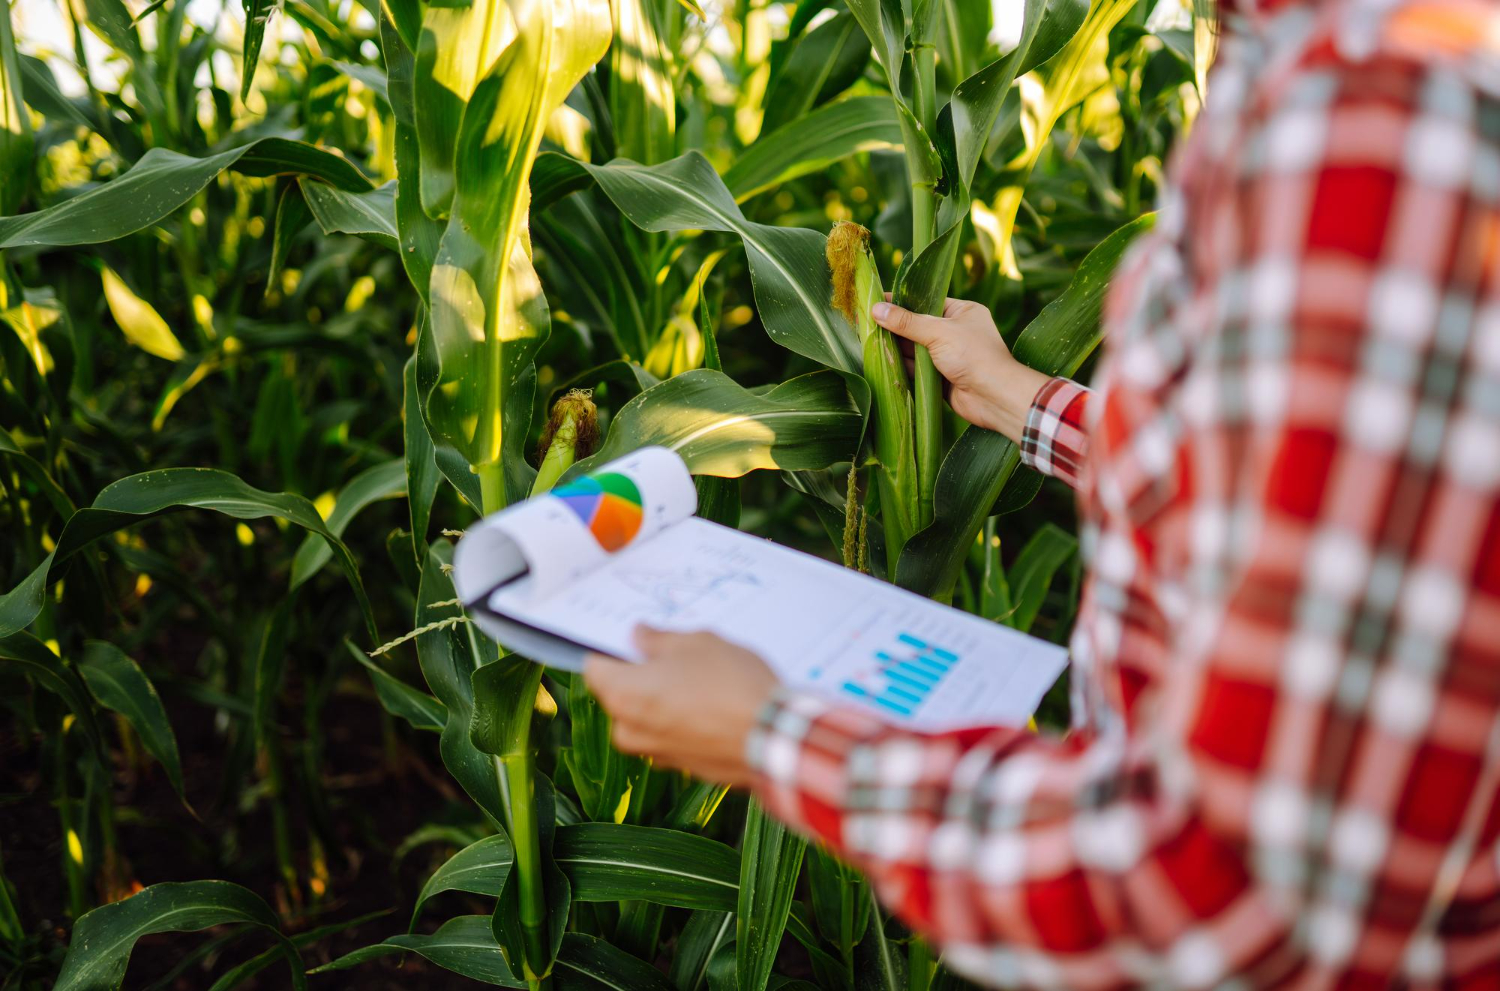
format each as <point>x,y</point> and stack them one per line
<point>572,432</point>
<point>856,288</point>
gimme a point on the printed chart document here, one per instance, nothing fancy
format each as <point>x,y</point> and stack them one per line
<point>577,569</point>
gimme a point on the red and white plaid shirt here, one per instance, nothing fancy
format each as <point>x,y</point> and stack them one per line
<point>1287,662</point>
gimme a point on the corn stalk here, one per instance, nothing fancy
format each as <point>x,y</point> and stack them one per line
<point>487,79</point>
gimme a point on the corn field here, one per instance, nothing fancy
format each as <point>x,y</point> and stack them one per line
<point>294,292</point>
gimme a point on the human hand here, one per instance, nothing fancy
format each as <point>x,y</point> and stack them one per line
<point>986,385</point>
<point>690,704</point>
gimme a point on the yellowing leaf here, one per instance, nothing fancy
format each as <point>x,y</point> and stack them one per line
<point>139,321</point>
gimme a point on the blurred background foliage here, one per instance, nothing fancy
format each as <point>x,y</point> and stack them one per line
<point>190,704</point>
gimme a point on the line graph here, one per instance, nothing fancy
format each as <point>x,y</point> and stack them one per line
<point>670,595</point>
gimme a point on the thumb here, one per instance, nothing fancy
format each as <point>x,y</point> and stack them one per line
<point>918,327</point>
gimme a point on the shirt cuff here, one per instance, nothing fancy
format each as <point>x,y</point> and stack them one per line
<point>798,753</point>
<point>1054,441</point>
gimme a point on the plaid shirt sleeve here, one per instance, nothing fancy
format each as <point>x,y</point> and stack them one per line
<point>1053,441</point>
<point>1293,608</point>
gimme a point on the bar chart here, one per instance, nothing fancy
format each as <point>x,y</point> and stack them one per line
<point>899,679</point>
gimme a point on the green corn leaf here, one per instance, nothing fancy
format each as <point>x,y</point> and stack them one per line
<point>269,665</point>
<point>38,475</point>
<point>140,497</point>
<point>121,686</point>
<point>994,590</point>
<point>699,800</point>
<point>368,76</point>
<point>1030,575</point>
<point>488,313</point>
<point>280,156</point>
<point>879,957</point>
<point>370,215</point>
<point>257,13</point>
<point>964,128</point>
<point>159,183</point>
<point>16,142</point>
<point>1046,26</point>
<point>405,18</point>
<point>138,319</point>
<point>884,23</point>
<point>587,963</point>
<point>607,862</point>
<point>598,770</point>
<point>23,603</point>
<point>642,99</point>
<point>449,658</point>
<point>720,428</point>
<point>595,265</point>
<point>400,699</point>
<point>813,142</point>
<point>457,47</point>
<point>1067,77</point>
<point>824,63</point>
<point>39,87</point>
<point>422,474</point>
<point>703,936</point>
<point>770,860</point>
<point>292,216</point>
<point>787,271</point>
<point>100,947</point>
<point>831,970</point>
<point>386,480</point>
<point>419,234</point>
<point>721,975</point>
<point>505,694</point>
<point>26,653</point>
<point>1017,494</point>
<point>111,21</point>
<point>480,868</point>
<point>237,975</point>
<point>463,945</point>
<point>980,462</point>
<point>841,906</point>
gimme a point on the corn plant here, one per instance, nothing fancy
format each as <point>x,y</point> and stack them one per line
<point>347,276</point>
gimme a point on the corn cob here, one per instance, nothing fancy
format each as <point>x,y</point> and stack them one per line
<point>856,288</point>
<point>572,432</point>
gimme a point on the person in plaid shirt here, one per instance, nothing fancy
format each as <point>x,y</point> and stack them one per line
<point>1287,662</point>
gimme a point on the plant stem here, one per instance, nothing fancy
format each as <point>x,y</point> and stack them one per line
<point>514,771</point>
<point>846,923</point>
<point>920,965</point>
<point>518,783</point>
<point>927,387</point>
<point>491,486</point>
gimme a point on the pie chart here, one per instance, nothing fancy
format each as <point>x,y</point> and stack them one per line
<point>608,503</point>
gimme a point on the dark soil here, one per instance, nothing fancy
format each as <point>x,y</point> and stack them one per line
<point>378,789</point>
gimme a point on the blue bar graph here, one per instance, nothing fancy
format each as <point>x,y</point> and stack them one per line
<point>900,679</point>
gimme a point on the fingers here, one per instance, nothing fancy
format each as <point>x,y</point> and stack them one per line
<point>608,678</point>
<point>659,645</point>
<point>916,327</point>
